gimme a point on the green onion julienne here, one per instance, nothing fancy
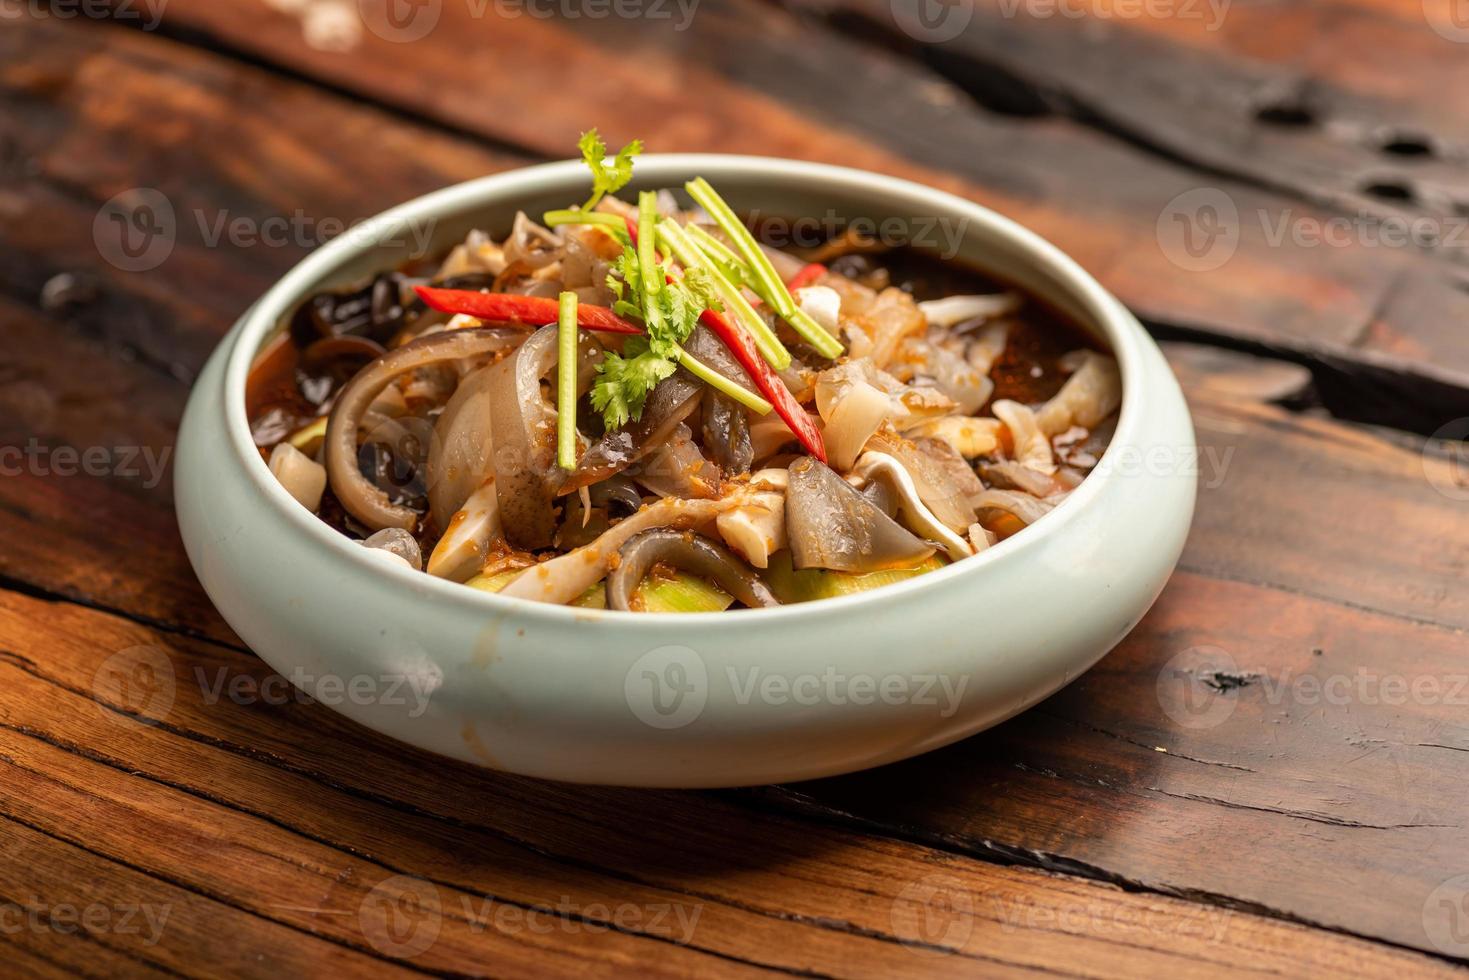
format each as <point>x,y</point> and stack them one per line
<point>692,257</point>
<point>572,216</point>
<point>566,337</point>
<point>731,263</point>
<point>765,281</point>
<point>652,274</point>
<point>719,382</point>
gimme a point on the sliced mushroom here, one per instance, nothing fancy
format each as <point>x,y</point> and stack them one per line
<point>364,501</point>
<point>1026,508</point>
<point>461,552</point>
<point>302,477</point>
<point>567,576</point>
<point>881,466</point>
<point>688,552</point>
<point>755,530</point>
<point>950,310</point>
<point>831,525</point>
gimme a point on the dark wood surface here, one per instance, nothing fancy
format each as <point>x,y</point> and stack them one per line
<point>1295,804</point>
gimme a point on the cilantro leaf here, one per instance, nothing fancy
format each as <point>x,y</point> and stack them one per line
<point>624,380</point>
<point>605,179</point>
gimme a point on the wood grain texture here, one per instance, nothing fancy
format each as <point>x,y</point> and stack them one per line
<point>262,804</point>
<point>1153,843</point>
<point>769,84</point>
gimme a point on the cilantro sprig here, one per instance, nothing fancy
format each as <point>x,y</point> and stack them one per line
<point>606,179</point>
<point>645,287</point>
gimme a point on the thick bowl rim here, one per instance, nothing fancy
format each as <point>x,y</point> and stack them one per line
<point>1121,331</point>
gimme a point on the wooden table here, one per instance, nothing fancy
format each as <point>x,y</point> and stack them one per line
<point>1271,774</point>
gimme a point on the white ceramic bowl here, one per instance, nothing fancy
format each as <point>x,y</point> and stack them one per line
<point>725,699</point>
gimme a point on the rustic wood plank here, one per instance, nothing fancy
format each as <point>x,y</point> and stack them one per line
<point>91,111</point>
<point>1331,103</point>
<point>1288,457</point>
<point>127,923</point>
<point>769,86</point>
<point>1334,732</point>
<point>279,792</point>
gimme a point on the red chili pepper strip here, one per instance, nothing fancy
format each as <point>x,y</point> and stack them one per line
<point>809,273</point>
<point>511,308</point>
<point>742,346</point>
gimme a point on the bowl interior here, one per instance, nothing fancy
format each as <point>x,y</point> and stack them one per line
<point>823,196</point>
